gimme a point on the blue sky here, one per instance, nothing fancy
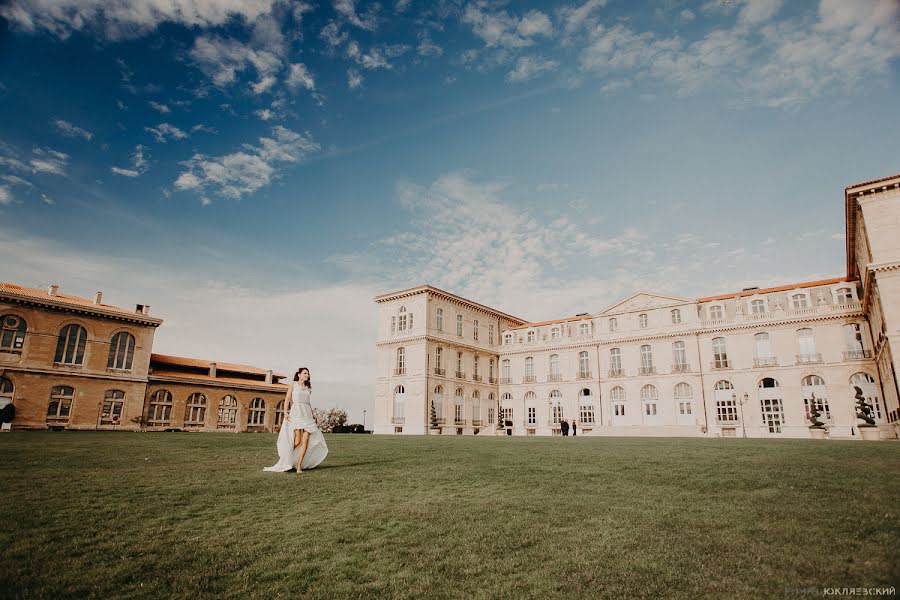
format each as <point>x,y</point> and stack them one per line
<point>258,170</point>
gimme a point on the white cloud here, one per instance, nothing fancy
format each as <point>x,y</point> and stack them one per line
<point>299,76</point>
<point>265,114</point>
<point>401,5</point>
<point>500,29</point>
<point>222,60</point>
<point>164,132</point>
<point>354,79</point>
<point>575,18</point>
<point>754,12</point>
<point>347,9</point>
<point>16,180</point>
<point>138,162</point>
<point>333,35</point>
<point>528,67</point>
<point>6,197</point>
<point>69,130</point>
<point>50,161</point>
<point>124,172</point>
<point>47,199</point>
<point>427,47</point>
<point>244,172</point>
<point>160,107</point>
<point>377,57</point>
<point>121,19</point>
<point>686,16</point>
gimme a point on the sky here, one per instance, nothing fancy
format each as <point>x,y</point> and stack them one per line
<point>258,170</point>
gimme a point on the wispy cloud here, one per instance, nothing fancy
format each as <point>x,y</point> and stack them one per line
<point>164,132</point>
<point>73,131</point>
<point>367,20</point>
<point>300,77</point>
<point>354,79</point>
<point>47,160</point>
<point>138,164</point>
<point>529,67</point>
<point>223,59</point>
<point>6,196</point>
<point>162,108</point>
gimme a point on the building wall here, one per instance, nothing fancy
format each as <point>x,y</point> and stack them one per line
<point>214,393</point>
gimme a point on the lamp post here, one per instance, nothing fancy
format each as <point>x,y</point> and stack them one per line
<point>364,419</point>
<point>741,403</point>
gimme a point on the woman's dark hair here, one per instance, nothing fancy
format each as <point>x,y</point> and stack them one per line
<point>308,379</point>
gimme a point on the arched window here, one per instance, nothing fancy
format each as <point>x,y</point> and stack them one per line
<point>859,378</point>
<point>768,382</point>
<point>799,301</point>
<point>530,409</point>
<point>439,320</point>
<point>531,336</point>
<point>771,404</point>
<point>227,417</point>
<point>121,351</point>
<point>757,307</point>
<point>649,397</point>
<point>401,319</point>
<point>726,403</point>
<point>401,361</point>
<point>676,316</point>
<point>12,332</point>
<point>684,405</point>
<point>506,409</point>
<point>60,407</point>
<point>813,386</point>
<point>437,399</point>
<point>724,385</point>
<point>70,346</point>
<point>869,387</point>
<point>256,416</point>
<point>585,406</point>
<point>584,368</point>
<point>160,409</point>
<point>617,397</point>
<point>7,391</point>
<point>715,312</point>
<point>113,402</point>
<point>720,354</point>
<point>279,413</point>
<point>554,367</point>
<point>683,391</point>
<point>556,408</point>
<point>195,410</point>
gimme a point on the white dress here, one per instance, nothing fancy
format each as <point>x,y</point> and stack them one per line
<point>300,416</point>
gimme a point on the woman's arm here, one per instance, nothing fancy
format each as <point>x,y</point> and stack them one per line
<point>287,401</point>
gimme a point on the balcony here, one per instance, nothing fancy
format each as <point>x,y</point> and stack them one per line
<point>584,374</point>
<point>719,364</point>
<point>554,377</point>
<point>398,420</point>
<point>765,361</point>
<point>648,370</point>
<point>460,374</point>
<point>857,354</point>
<point>808,359</point>
<point>733,421</point>
<point>459,422</point>
<point>529,379</point>
<point>477,422</point>
<point>505,380</point>
<point>400,371</point>
<point>476,377</point>
<point>440,371</point>
<point>441,420</point>
<point>617,372</point>
<point>492,380</point>
<point>805,313</point>
<point>529,424</point>
<point>681,368</point>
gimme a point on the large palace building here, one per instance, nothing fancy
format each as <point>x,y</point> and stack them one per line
<point>68,362</point>
<point>749,363</point>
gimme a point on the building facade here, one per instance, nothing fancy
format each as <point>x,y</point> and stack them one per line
<point>749,363</point>
<point>68,362</point>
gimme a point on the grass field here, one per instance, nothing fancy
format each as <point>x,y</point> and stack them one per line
<point>193,515</point>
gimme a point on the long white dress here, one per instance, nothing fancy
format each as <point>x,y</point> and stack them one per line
<point>300,416</point>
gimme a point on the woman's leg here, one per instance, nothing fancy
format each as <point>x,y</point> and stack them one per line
<point>303,445</point>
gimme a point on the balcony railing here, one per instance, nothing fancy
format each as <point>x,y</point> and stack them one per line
<point>505,380</point>
<point>648,370</point>
<point>492,380</point>
<point>617,372</point>
<point>847,307</point>
<point>476,377</point>
<point>529,424</point>
<point>529,379</point>
<point>400,371</point>
<point>733,421</point>
<point>441,420</point>
<point>440,371</point>
<point>807,359</point>
<point>722,363</point>
<point>460,374</point>
<point>857,354</point>
<point>477,422</point>
<point>398,420</point>
<point>584,374</point>
<point>681,368</point>
<point>765,361</point>
<point>554,377</point>
<point>459,422</point>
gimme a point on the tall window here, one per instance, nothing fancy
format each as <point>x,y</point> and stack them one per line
<point>476,406</point>
<point>642,320</point>
<point>393,325</point>
<point>676,316</point>
<point>121,351</point>
<point>12,334</point>
<point>532,415</point>
<point>813,386</point>
<point>617,397</point>
<point>475,367</point>
<point>475,330</point>
<point>554,366</point>
<point>400,404</point>
<point>113,402</point>
<point>439,320</point>
<point>256,417</point>
<point>799,301</point>
<point>529,367</point>
<point>757,307</point>
<point>853,337</point>
<point>160,409</point>
<point>279,413</point>
<point>646,359</point>
<point>195,411</point>
<point>807,343</point>
<point>556,408</point>
<point>615,361</point>
<point>869,388</point>
<point>60,406</point>
<point>491,334</point>
<point>726,405</point>
<point>7,391</point>
<point>585,407</point>
<point>771,405</point>
<point>491,370</point>
<point>459,325</point>
<point>763,347</point>
<point>844,296</point>
<point>459,369</point>
<point>228,407</point>
<point>401,361</point>
<point>679,356</point>
<point>70,346</point>
<point>554,333</point>
<point>584,329</point>
<point>613,324</point>
<point>438,357</point>
<point>504,370</point>
<point>458,406</point>
<point>715,312</point>
<point>438,401</point>
<point>584,368</point>
<point>683,400</point>
<point>531,336</point>
<point>720,354</point>
<point>401,319</point>
<point>507,339</point>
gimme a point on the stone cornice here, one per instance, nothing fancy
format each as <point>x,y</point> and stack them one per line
<point>93,312</point>
<point>75,373</point>
<point>470,304</point>
<point>157,379</point>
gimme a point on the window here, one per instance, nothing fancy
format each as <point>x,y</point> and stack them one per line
<point>111,413</point>
<point>439,320</point>
<point>504,371</point>
<point>400,404</point>
<point>763,347</point>
<point>491,370</point>
<point>853,337</point>
<point>799,301</point>
<point>532,415</point>
<point>715,312</point>
<point>121,351</point>
<point>529,368</point>
<point>584,329</point>
<point>676,316</point>
<point>256,417</point>
<point>160,410</point>
<point>507,339</point>
<point>491,416</point>
<point>401,361</point>
<point>556,409</point>
<point>531,336</point>
<point>867,384</point>
<point>476,406</point>
<point>585,407</point>
<point>70,346</point>
<point>228,407</point>
<point>459,325</point>
<point>679,356</point>
<point>758,307</point>
<point>807,344</point>
<point>491,334</point>
<point>279,412</point>
<point>438,356</point>
<point>617,397</point>
<point>646,359</point>
<point>844,295</point>
<point>438,401</point>
<point>459,366</point>
<point>726,409</point>
<point>7,391</point>
<point>401,319</point>
<point>458,406</point>
<point>770,405</point>
<point>393,325</point>
<point>648,399</point>
<point>12,333</point>
<point>475,330</point>
<point>813,387</point>
<point>613,324</point>
<point>60,406</point>
<point>615,361</point>
<point>475,367</point>
<point>554,367</point>
<point>720,355</point>
<point>195,411</point>
<point>584,369</point>
<point>683,400</point>
<point>642,320</point>
<point>554,333</point>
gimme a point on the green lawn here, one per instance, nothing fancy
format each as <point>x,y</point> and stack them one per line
<point>193,515</point>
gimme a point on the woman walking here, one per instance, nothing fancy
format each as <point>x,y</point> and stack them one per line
<point>300,444</point>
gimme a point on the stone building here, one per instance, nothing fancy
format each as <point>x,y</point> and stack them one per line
<point>749,363</point>
<point>68,362</point>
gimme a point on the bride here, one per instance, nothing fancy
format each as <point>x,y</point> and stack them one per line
<point>300,442</point>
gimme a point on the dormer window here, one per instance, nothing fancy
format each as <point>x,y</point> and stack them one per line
<point>844,295</point>
<point>799,301</point>
<point>676,316</point>
<point>531,336</point>
<point>507,339</point>
<point>613,324</point>
<point>401,319</point>
<point>584,329</point>
<point>758,307</point>
<point>642,320</point>
<point>554,333</point>
<point>716,312</point>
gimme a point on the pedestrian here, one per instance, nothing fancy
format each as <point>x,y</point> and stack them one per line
<point>564,425</point>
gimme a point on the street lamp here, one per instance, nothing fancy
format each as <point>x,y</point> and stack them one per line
<point>364,419</point>
<point>741,404</point>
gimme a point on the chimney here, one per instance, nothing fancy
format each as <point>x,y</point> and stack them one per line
<point>269,377</point>
<point>141,309</point>
<point>98,297</point>
<point>212,369</point>
<point>54,289</point>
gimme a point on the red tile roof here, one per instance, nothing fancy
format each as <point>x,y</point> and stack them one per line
<point>217,379</point>
<point>182,361</point>
<point>69,299</point>
<point>782,288</point>
<point>530,325</point>
<point>879,180</point>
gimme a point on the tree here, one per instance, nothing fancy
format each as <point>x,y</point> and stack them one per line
<point>327,421</point>
<point>500,423</point>
<point>863,410</point>
<point>814,413</point>
<point>434,420</point>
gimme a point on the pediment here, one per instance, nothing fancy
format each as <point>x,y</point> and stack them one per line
<point>643,301</point>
